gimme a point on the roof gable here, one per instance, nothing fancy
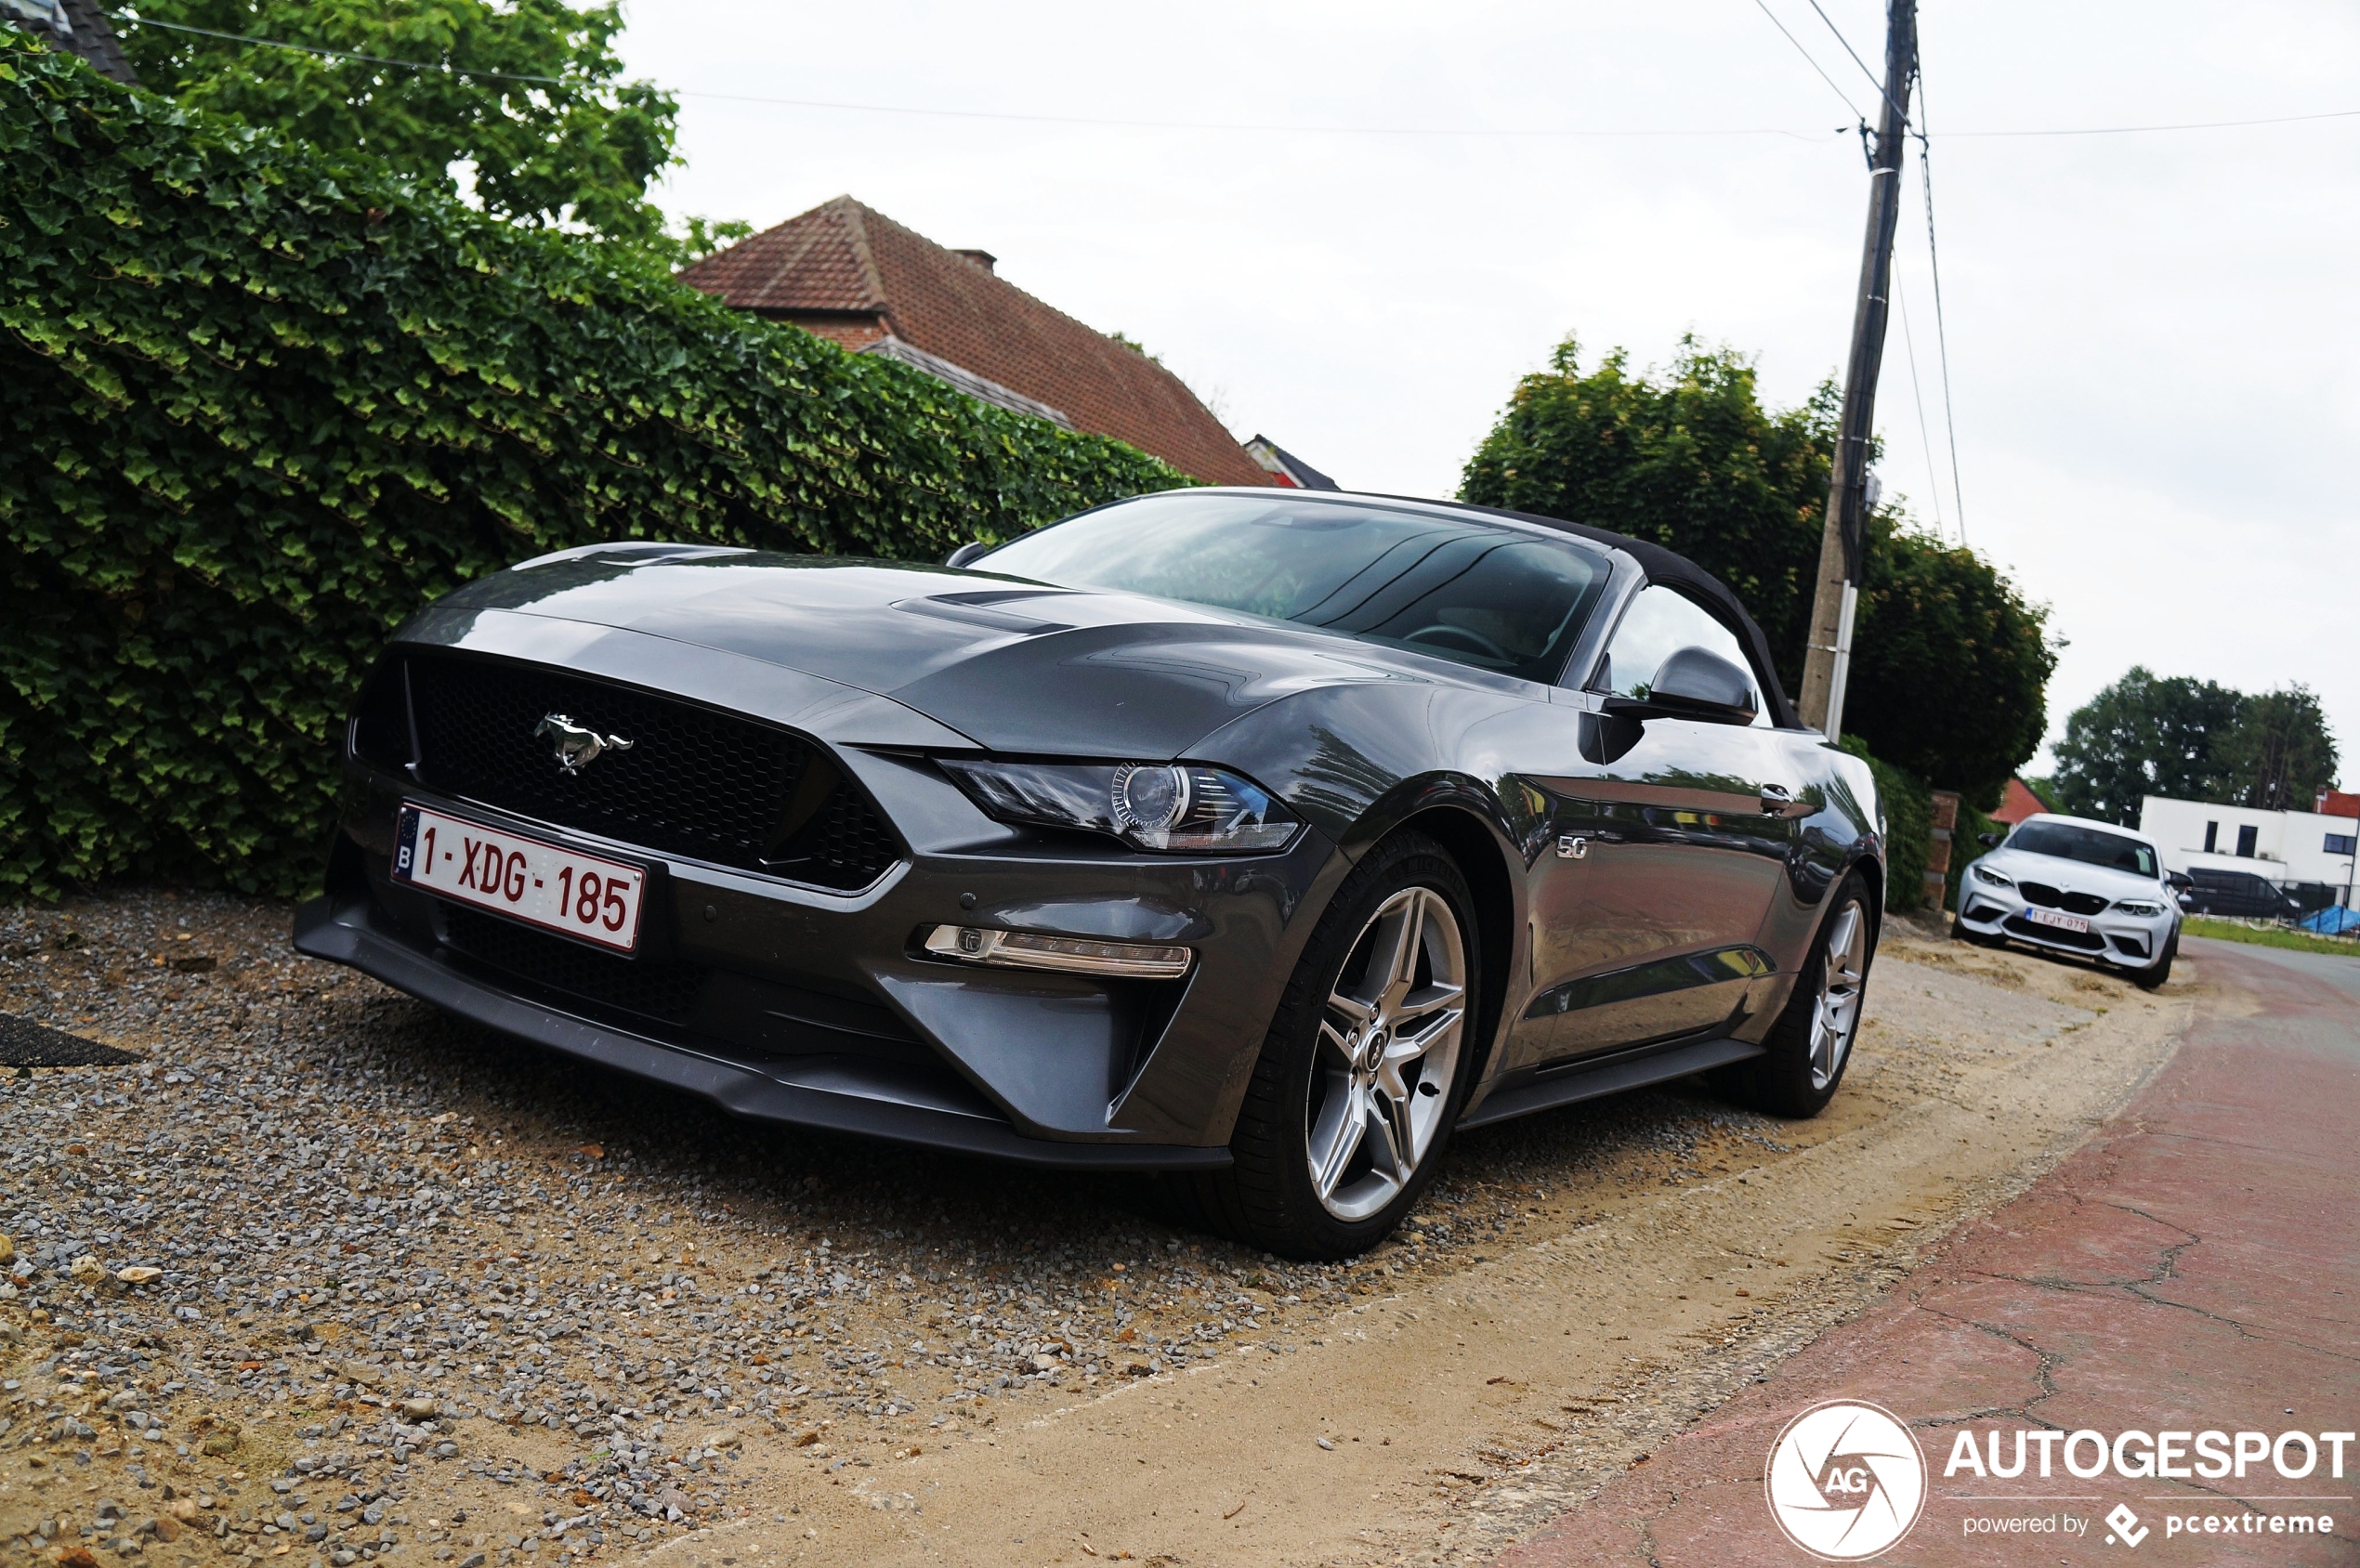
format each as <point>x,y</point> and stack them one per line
<point>841,258</point>
<point>2017,802</point>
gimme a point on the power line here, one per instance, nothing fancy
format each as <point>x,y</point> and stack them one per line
<point>443,66</point>
<point>1509,133</point>
<point>1874,80</point>
<point>1917,393</point>
<point>1807,58</point>
<point>834,105</point>
<point>450,69</point>
<point>1941,332</point>
<point>2193,125</point>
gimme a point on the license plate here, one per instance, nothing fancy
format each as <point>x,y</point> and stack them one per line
<point>2074,923</point>
<point>538,883</point>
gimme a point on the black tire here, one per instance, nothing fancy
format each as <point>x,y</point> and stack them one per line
<point>1269,1197</point>
<point>2152,977</point>
<point>1789,1078</point>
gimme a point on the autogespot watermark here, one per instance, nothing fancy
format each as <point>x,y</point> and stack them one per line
<point>2210,1455</point>
<point>1847,1481</point>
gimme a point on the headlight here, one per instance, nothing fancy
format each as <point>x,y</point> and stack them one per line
<point>1990,877</point>
<point>1177,808</point>
<point>2138,906</point>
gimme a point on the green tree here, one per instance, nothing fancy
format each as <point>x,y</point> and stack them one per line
<point>526,95</point>
<point>1693,463</point>
<point>2144,734</point>
<point>1951,665</point>
<point>1949,662</point>
<point>2279,754</point>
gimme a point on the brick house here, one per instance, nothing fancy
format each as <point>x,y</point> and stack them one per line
<point>851,274</point>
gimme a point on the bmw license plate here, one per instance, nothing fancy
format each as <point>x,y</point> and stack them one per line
<point>2074,923</point>
<point>524,878</point>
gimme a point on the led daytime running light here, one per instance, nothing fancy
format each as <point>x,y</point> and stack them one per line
<point>1074,955</point>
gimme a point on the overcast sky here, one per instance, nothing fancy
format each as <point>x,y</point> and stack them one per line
<point>2152,336</point>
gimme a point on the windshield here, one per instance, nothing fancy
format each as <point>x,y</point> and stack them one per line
<point>2088,845</point>
<point>1455,588</point>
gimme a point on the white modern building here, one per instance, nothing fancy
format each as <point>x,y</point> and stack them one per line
<point>2286,847</point>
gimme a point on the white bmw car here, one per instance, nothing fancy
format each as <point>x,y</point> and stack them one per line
<point>2072,885</point>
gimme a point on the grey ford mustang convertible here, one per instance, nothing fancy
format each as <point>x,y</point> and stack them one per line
<point>1261,839</point>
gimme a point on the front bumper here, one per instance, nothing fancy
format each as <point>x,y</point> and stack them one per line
<point>918,1109</point>
<point>823,1010</point>
<point>2115,939</point>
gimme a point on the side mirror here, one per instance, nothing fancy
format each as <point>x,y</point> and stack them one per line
<point>1989,840</point>
<point>1693,684</point>
<point>2181,881</point>
<point>967,553</point>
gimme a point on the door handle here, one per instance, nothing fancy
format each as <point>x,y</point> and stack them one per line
<point>1778,800</point>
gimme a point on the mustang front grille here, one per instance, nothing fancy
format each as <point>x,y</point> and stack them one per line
<point>692,781</point>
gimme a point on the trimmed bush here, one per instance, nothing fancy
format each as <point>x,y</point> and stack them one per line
<point>257,404</point>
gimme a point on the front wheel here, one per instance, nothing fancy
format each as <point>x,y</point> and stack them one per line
<point>1810,1045</point>
<point>1363,1070</point>
<point>2152,977</point>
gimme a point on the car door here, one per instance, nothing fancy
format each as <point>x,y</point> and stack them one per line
<point>1669,838</point>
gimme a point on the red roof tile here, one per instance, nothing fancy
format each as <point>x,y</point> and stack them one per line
<point>2016,803</point>
<point>850,273</point>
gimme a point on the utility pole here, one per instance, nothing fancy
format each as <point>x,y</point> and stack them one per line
<point>1827,659</point>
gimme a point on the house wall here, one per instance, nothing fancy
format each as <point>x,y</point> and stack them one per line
<point>2289,846</point>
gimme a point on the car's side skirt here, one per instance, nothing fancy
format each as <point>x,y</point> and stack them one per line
<point>1613,1075</point>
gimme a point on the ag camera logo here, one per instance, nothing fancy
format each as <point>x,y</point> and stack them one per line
<point>1846,1480</point>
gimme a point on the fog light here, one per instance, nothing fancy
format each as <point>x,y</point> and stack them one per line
<point>1079,955</point>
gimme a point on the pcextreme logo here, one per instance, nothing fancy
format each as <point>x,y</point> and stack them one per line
<point>1846,1480</point>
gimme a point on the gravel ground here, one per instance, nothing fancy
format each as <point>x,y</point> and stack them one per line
<point>330,1276</point>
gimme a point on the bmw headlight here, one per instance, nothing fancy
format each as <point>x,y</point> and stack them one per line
<point>1989,878</point>
<point>2138,906</point>
<point>1179,809</point>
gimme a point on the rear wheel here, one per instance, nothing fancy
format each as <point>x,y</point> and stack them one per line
<point>1809,1047</point>
<point>1364,1068</point>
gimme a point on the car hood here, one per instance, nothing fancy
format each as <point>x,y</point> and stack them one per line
<point>1016,666</point>
<point>2075,876</point>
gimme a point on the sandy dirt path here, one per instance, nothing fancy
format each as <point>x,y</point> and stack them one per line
<point>1441,1420</point>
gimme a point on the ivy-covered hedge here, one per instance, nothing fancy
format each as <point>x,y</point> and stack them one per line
<point>1966,848</point>
<point>257,404</point>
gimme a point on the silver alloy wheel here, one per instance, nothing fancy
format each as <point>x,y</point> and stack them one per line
<point>1387,1053</point>
<point>1842,978</point>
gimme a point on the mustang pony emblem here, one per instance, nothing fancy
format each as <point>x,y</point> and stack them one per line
<point>577,747</point>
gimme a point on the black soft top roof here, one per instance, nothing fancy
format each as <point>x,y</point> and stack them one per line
<point>1676,572</point>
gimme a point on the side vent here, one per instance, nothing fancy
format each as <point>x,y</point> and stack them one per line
<point>378,731</point>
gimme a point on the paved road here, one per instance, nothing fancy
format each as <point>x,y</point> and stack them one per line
<point>2196,1266</point>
